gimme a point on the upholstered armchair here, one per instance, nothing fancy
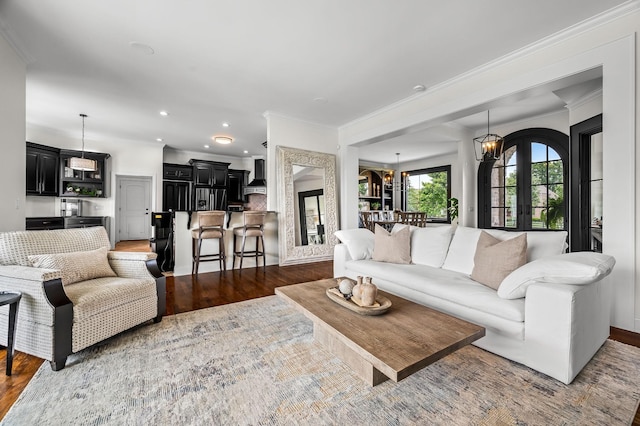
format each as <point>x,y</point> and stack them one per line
<point>75,292</point>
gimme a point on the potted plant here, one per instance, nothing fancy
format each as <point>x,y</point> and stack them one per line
<point>453,209</point>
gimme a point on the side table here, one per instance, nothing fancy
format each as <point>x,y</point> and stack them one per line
<point>11,298</point>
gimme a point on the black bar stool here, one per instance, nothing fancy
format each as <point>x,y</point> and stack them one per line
<point>11,298</point>
<point>253,227</point>
<point>208,225</point>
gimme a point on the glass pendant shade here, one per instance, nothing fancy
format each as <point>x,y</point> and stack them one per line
<point>83,164</point>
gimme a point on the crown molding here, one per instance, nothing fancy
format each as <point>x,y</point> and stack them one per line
<point>584,99</point>
<point>9,35</point>
<point>568,33</point>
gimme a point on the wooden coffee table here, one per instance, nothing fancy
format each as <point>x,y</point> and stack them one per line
<point>391,346</point>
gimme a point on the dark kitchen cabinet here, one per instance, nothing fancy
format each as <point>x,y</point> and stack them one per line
<point>84,221</point>
<point>42,170</point>
<point>41,223</point>
<point>238,180</point>
<point>78,183</point>
<point>210,183</point>
<point>176,196</point>
<point>177,172</point>
<point>210,173</point>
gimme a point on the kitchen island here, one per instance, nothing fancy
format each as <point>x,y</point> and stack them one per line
<point>183,243</point>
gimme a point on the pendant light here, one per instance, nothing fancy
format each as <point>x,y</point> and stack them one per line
<point>401,183</point>
<point>489,146</point>
<point>81,163</point>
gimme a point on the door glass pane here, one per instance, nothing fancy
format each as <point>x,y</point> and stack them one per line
<point>504,180</point>
<point>538,152</point>
<point>511,177</point>
<point>497,197</point>
<point>497,217</point>
<point>510,218</point>
<point>539,196</point>
<point>555,172</point>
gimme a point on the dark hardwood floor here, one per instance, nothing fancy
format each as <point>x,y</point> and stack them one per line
<point>188,293</point>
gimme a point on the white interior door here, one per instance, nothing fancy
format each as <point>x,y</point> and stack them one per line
<point>134,208</point>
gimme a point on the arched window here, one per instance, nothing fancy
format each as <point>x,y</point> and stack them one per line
<point>527,188</point>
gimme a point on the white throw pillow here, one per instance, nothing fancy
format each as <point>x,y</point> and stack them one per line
<point>570,268</point>
<point>429,245</point>
<point>359,242</point>
<point>462,249</point>
<point>540,244</point>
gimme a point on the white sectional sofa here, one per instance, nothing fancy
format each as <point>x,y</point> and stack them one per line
<point>551,314</point>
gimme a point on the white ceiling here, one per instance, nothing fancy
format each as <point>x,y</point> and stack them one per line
<point>328,62</point>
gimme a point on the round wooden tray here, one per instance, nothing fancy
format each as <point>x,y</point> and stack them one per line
<point>385,304</point>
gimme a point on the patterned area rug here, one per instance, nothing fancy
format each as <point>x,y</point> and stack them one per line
<point>255,363</point>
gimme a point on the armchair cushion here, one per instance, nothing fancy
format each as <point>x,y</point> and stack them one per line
<point>76,266</point>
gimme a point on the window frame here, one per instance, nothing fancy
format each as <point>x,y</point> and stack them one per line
<point>427,170</point>
<point>523,139</point>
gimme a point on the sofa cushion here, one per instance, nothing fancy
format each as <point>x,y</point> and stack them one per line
<point>429,245</point>
<point>76,266</point>
<point>570,268</point>
<point>463,246</point>
<point>392,247</point>
<point>359,242</point>
<point>539,243</point>
<point>495,259</point>
<point>461,250</point>
<point>446,285</point>
<point>98,295</point>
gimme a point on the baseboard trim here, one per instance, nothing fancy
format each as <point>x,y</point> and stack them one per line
<point>625,336</point>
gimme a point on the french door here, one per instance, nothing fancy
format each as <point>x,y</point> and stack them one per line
<point>527,187</point>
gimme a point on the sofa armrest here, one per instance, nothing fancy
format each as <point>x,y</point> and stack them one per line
<point>131,264</point>
<point>565,325</point>
<point>30,281</point>
<point>44,302</point>
<point>141,265</point>
<point>340,258</point>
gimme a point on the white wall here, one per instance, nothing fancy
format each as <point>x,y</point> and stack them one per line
<point>291,132</point>
<point>12,138</point>
<point>608,43</point>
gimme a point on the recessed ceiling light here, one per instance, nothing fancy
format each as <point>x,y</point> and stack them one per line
<point>223,140</point>
<point>164,113</point>
<point>225,124</point>
<point>141,47</point>
<point>159,139</point>
<point>206,146</point>
<point>245,151</point>
<point>419,88</point>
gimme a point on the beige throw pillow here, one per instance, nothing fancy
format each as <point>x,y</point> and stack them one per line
<point>392,247</point>
<point>76,266</point>
<point>495,259</point>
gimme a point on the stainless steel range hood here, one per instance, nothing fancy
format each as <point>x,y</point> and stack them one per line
<point>258,185</point>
